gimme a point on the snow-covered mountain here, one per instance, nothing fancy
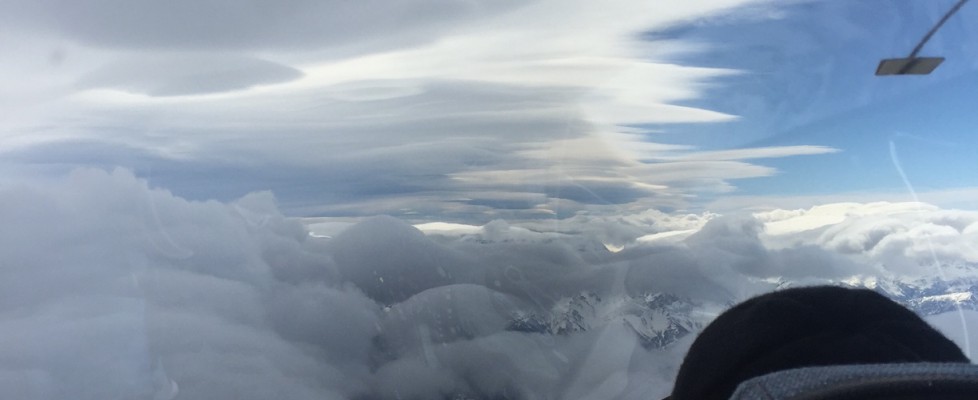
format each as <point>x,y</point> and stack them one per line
<point>660,315</point>
<point>658,319</point>
<point>932,296</point>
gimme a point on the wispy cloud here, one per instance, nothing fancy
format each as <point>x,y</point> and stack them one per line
<point>531,103</point>
<point>757,153</point>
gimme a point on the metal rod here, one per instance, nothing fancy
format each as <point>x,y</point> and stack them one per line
<point>933,30</point>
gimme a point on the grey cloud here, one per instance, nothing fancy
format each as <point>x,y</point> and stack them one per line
<point>727,259</point>
<point>388,133</point>
<point>341,186</point>
<point>508,364</point>
<point>187,74</point>
<point>447,314</point>
<point>146,285</point>
<point>674,271</point>
<point>734,241</point>
<point>324,152</point>
<point>585,192</point>
<point>676,173</point>
<point>236,302</point>
<point>113,289</point>
<point>340,321</point>
<point>618,225</point>
<point>220,24</point>
<point>468,124</point>
<point>413,378</point>
<point>861,237</point>
<point>335,176</point>
<point>211,359</point>
<point>579,192</point>
<point>538,268</point>
<point>811,261</point>
<point>391,260</point>
<point>902,241</point>
<point>496,203</point>
<point>193,295</point>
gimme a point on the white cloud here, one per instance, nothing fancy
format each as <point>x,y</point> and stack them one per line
<point>445,227</point>
<point>139,277</point>
<point>899,236</point>
<point>960,198</point>
<point>109,287</point>
<point>668,237</point>
<point>779,222</point>
<point>550,91</point>
<point>759,152</point>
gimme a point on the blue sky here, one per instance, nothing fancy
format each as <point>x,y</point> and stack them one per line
<point>521,110</point>
<point>928,134</point>
<point>808,79</point>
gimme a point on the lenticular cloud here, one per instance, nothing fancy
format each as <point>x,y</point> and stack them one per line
<point>112,289</point>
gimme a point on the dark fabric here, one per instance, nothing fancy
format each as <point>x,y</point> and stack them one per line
<point>894,381</point>
<point>803,327</point>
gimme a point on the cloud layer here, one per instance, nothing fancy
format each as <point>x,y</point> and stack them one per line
<point>513,110</point>
<point>113,289</point>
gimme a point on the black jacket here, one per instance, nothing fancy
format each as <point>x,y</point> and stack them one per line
<point>805,327</point>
